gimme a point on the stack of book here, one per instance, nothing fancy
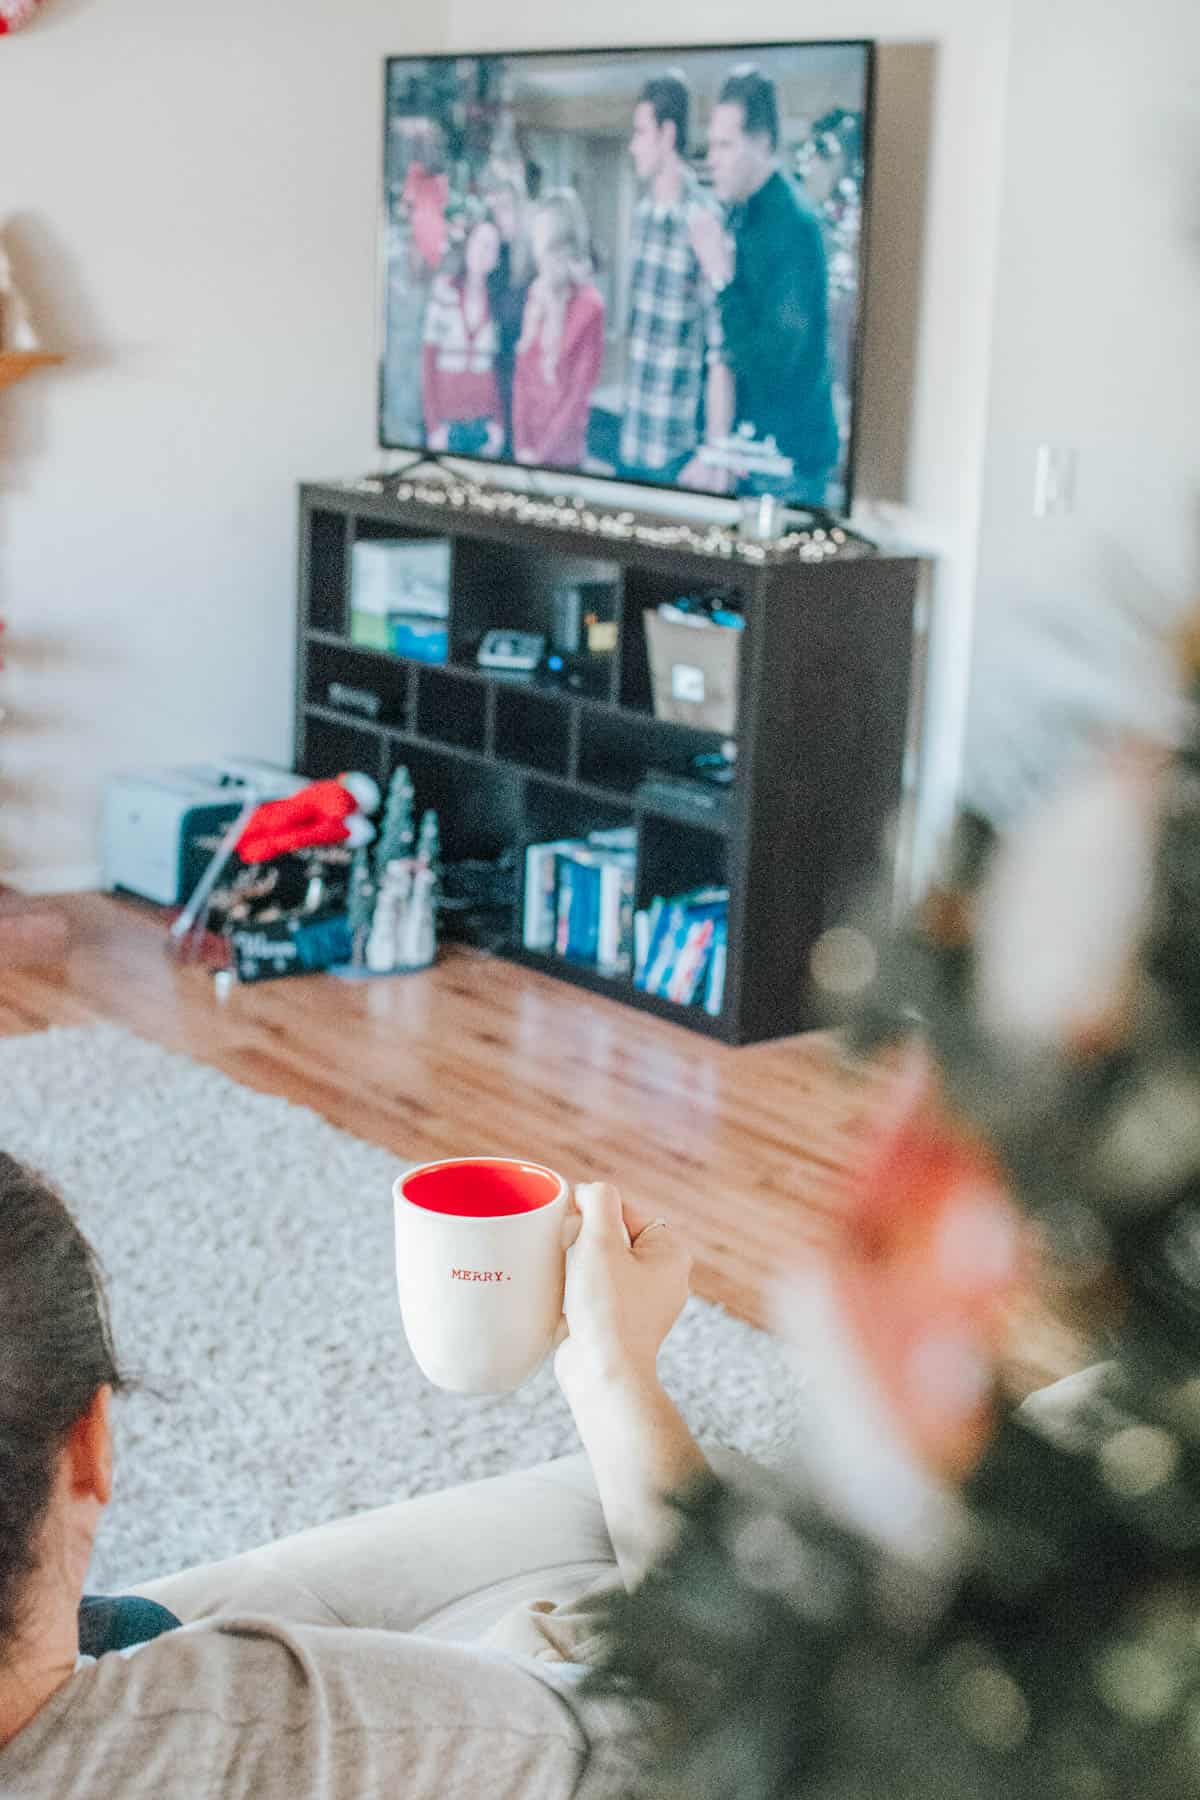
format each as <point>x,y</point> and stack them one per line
<point>680,948</point>
<point>578,901</point>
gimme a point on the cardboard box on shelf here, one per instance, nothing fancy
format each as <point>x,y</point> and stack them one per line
<point>694,671</point>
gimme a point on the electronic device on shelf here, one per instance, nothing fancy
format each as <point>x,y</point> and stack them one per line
<point>794,399</point>
<point>579,674</point>
<point>585,617</point>
<point>517,652</point>
<point>683,797</point>
<point>345,696</point>
<point>717,767</point>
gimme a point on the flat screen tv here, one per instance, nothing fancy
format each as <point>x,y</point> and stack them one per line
<point>644,265</point>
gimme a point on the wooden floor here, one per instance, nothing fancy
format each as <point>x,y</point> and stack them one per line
<point>745,1149</point>
<point>741,1147</point>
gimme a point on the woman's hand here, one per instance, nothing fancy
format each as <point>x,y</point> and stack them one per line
<point>627,1281</point>
<point>439,438</point>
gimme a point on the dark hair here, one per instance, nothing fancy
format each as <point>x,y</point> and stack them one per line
<point>56,1349</point>
<point>754,92</point>
<point>454,261</point>
<point>668,95</point>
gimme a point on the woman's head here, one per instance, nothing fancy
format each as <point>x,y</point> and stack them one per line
<point>475,247</point>
<point>56,1353</point>
<point>561,242</point>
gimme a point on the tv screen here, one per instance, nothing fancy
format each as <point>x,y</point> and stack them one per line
<point>644,265</point>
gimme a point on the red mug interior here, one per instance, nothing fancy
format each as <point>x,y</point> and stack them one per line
<point>482,1189</point>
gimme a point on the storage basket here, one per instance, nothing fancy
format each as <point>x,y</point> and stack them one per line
<point>694,671</point>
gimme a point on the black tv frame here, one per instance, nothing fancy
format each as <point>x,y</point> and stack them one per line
<point>422,453</point>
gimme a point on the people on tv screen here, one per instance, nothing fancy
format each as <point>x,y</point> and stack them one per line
<point>662,315</point>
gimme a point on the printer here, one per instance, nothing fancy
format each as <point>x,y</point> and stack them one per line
<point>158,825</point>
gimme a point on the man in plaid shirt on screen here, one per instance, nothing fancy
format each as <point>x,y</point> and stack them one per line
<point>675,340</point>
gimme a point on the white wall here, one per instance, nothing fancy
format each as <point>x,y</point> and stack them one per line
<point>1095,348</point>
<point>193,199</point>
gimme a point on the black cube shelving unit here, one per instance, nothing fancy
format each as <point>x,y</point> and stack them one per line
<point>826,677</point>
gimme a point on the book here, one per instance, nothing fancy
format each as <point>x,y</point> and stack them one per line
<point>702,897</point>
<point>642,926</point>
<point>577,908</point>
<point>714,987</point>
<point>677,938</point>
<point>614,949</point>
<point>564,882</point>
<point>538,910</point>
<point>620,837</point>
<point>690,963</point>
<point>577,900</point>
<point>671,939</point>
<point>658,948</point>
<point>683,928</point>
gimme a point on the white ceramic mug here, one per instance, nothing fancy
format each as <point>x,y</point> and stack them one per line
<point>480,1262</point>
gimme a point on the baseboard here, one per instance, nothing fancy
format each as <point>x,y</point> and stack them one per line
<point>61,878</point>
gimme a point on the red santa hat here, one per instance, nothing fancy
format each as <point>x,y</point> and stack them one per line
<point>325,812</point>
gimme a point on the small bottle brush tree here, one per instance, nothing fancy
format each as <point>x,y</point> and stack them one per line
<point>360,901</point>
<point>395,841</point>
<point>429,842</point>
<point>394,926</point>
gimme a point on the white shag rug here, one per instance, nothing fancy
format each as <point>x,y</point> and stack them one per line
<point>248,1248</point>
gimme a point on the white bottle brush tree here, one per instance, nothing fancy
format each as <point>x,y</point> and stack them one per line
<point>360,903</point>
<point>402,932</point>
<point>395,840</point>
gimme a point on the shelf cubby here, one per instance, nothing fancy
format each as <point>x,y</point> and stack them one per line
<point>329,746</point>
<point>500,587</point>
<point>616,750</point>
<point>644,590</point>
<point>326,563</point>
<point>363,685</point>
<point>533,729</point>
<point>450,709</point>
<point>556,810</point>
<point>826,664</point>
<point>480,805</point>
<point>373,529</point>
<point>673,858</point>
<point>324,576</point>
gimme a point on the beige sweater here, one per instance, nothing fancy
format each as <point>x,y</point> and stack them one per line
<point>250,1709</point>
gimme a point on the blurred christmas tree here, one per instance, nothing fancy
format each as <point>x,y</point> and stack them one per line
<point>1051,1646</point>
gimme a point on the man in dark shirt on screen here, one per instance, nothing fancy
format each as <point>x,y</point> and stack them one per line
<point>767,266</point>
